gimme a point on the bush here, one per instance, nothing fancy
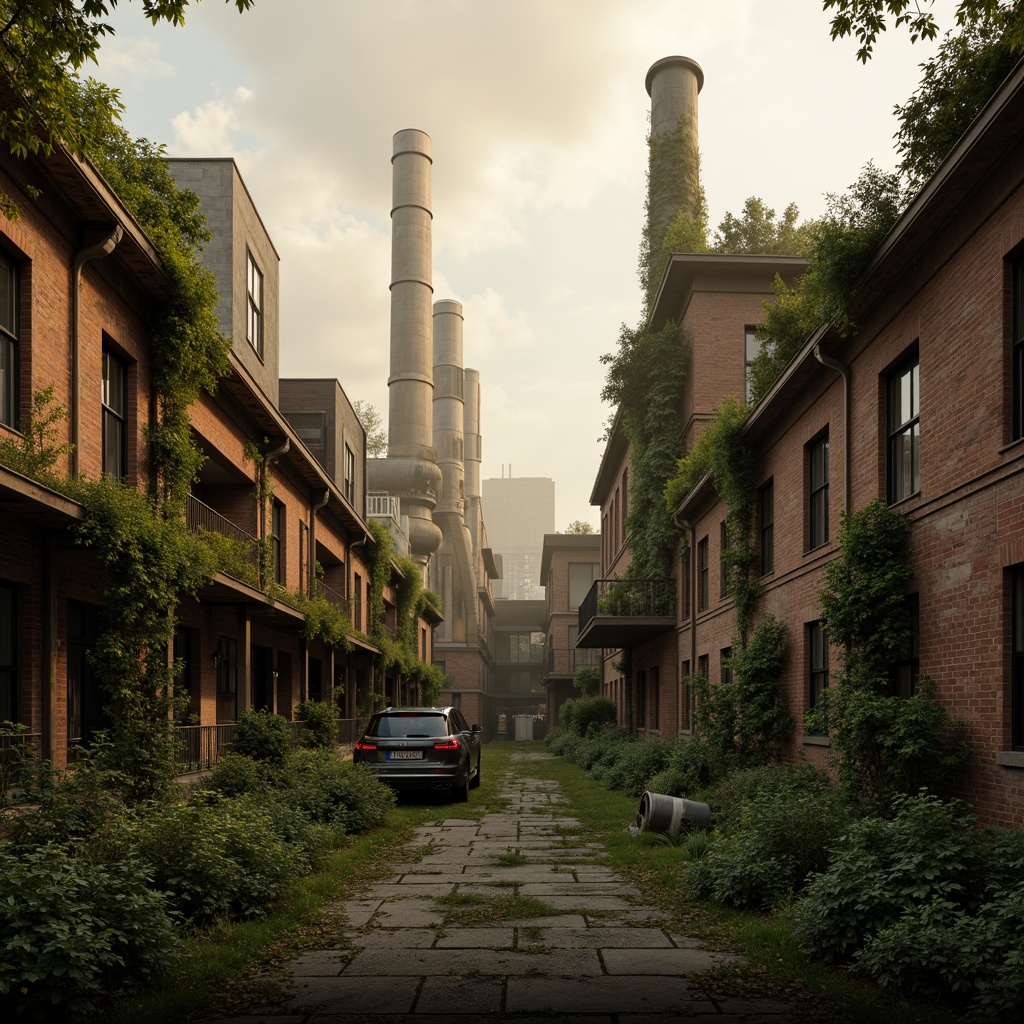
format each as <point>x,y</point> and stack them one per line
<point>637,764</point>
<point>262,735</point>
<point>219,856</point>
<point>599,751</point>
<point>239,775</point>
<point>73,933</point>
<point>691,767</point>
<point>584,715</point>
<point>771,848</point>
<point>335,792</point>
<point>926,902</point>
<point>321,718</point>
<point>730,796</point>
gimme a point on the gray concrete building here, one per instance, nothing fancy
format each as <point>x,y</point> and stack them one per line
<point>519,511</point>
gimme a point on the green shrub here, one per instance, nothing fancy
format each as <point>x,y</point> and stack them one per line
<point>637,764</point>
<point>600,750</point>
<point>218,856</point>
<point>262,735</point>
<point>882,869</point>
<point>562,743</point>
<point>321,718</point>
<point>238,775</point>
<point>335,792</point>
<point>691,767</point>
<point>770,849</point>
<point>730,795</point>
<point>584,715</point>
<point>74,933</point>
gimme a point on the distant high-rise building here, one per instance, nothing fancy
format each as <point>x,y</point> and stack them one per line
<point>519,511</point>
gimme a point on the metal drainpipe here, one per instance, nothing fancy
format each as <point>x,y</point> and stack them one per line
<point>313,509</point>
<point>683,525</point>
<point>93,252</point>
<point>844,371</point>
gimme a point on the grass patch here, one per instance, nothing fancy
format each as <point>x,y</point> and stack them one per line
<point>465,910</point>
<point>775,965</point>
<point>512,859</point>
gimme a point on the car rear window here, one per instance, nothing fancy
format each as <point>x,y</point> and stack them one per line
<point>409,725</point>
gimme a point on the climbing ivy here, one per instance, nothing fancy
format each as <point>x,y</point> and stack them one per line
<point>721,451</point>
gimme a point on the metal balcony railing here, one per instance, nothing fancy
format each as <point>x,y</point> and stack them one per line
<point>383,505</point>
<point>565,660</point>
<point>245,557</point>
<point>332,596</point>
<point>622,613</point>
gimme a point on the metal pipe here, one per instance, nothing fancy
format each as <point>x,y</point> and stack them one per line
<point>844,371</point>
<point>93,252</point>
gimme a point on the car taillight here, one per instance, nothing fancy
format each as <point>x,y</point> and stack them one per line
<point>447,745</point>
<point>363,745</point>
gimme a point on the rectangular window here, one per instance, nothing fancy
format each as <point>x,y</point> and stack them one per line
<point>685,697</point>
<point>276,516</point>
<point>254,307</point>
<point>723,562</point>
<point>903,429</point>
<point>1017,675</point>
<point>115,416</point>
<point>350,475</point>
<point>581,579</point>
<point>641,699</point>
<point>818,503</point>
<point>303,557</point>
<point>725,664</point>
<point>8,656</point>
<point>357,602</point>
<point>751,347</point>
<point>704,665</point>
<point>8,343</point>
<point>905,673</point>
<point>703,589</point>
<point>767,518</point>
<point>1017,352</point>
<point>227,679</point>
<point>655,701</point>
<point>817,659</point>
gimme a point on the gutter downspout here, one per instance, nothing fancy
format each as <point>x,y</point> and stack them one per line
<point>313,509</point>
<point>844,371</point>
<point>93,252</point>
<point>684,526</point>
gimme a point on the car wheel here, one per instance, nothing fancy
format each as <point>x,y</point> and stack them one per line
<point>461,795</point>
<point>476,778</point>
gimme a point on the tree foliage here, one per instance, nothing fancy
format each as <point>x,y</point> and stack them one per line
<point>757,230</point>
<point>579,528</point>
<point>955,84</point>
<point>866,19</point>
<point>45,44</point>
<point>373,424</point>
<point>840,246</point>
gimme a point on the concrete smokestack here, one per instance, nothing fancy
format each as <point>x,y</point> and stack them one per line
<point>471,432</point>
<point>410,470</point>
<point>673,84</point>
<point>448,404</point>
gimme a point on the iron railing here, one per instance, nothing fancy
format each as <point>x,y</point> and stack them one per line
<point>199,516</point>
<point>383,505</point>
<point>643,598</point>
<point>565,660</point>
<point>332,596</point>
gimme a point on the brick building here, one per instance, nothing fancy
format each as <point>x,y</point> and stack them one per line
<point>920,407</point>
<point>81,288</point>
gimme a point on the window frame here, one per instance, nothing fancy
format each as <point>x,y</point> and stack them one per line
<point>818,492</point>
<point>254,301</point>
<point>1017,349</point>
<point>766,514</point>
<point>751,349</point>
<point>817,663</point>
<point>703,576</point>
<point>350,475</point>
<point>10,349</point>
<point>114,418</point>
<point>896,432</point>
<point>1017,658</point>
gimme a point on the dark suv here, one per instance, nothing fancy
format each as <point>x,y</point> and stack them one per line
<point>422,748</point>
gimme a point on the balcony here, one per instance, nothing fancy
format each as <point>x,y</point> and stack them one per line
<point>321,589</point>
<point>563,661</point>
<point>626,613</point>
<point>240,554</point>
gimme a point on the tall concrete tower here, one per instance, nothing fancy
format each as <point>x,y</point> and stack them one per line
<point>410,471</point>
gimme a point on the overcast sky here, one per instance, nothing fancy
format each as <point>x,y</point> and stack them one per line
<point>537,114</point>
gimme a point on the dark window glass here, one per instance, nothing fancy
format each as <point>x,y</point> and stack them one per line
<point>115,416</point>
<point>641,699</point>
<point>703,665</point>
<point>817,647</point>
<point>254,310</point>
<point>1017,685</point>
<point>227,679</point>
<point>903,432</point>
<point>1017,369</point>
<point>8,656</point>
<point>655,702</point>
<point>687,698</point>
<point>818,511</point>
<point>8,343</point>
<point>723,565</point>
<point>767,510</point>
<point>276,512</point>
<point>703,592</point>
<point>905,673</point>
<point>684,570</point>
<point>350,475</point>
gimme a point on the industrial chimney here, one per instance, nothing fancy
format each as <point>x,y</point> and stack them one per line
<point>410,471</point>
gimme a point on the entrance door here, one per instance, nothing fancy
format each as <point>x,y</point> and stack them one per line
<point>85,699</point>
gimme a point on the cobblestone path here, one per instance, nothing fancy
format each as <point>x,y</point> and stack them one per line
<point>434,941</point>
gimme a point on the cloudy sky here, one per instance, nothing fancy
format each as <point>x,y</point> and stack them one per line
<point>538,114</point>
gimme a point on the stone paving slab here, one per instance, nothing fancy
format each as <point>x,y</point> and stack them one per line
<point>477,938</point>
<point>598,995</point>
<point>641,939</point>
<point>460,996</point>
<point>398,963</point>
<point>672,962</point>
<point>340,995</point>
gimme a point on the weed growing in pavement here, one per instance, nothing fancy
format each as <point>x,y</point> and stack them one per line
<point>467,909</point>
<point>511,859</point>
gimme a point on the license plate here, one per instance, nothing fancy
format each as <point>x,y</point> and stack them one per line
<point>404,755</point>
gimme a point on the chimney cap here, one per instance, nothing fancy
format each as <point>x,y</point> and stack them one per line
<point>686,62</point>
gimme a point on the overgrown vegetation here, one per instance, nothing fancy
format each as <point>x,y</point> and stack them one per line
<point>883,744</point>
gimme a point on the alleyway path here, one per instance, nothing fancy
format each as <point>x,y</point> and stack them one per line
<point>440,938</point>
